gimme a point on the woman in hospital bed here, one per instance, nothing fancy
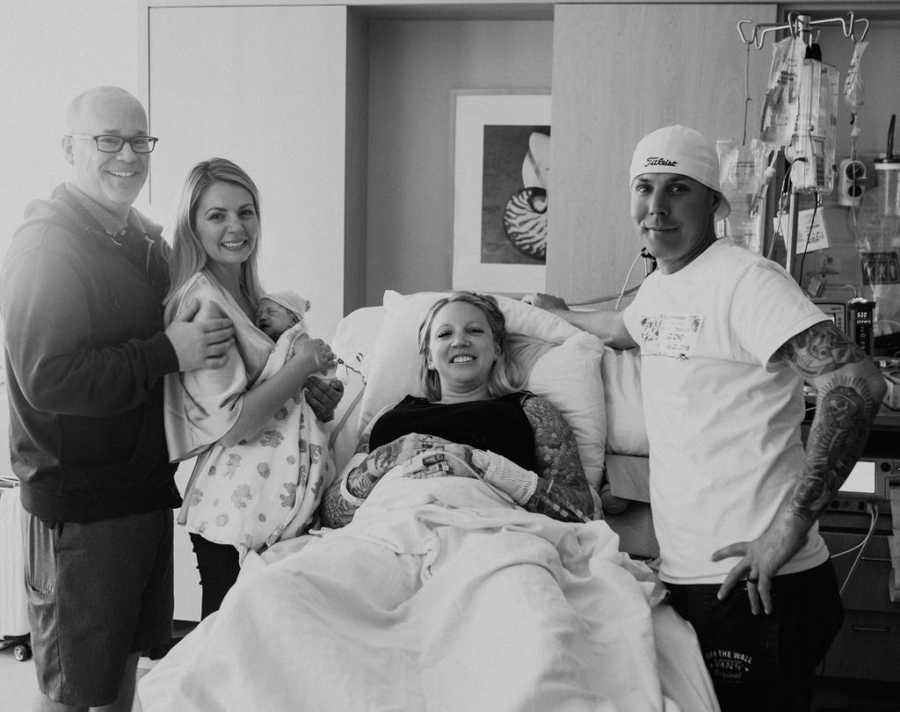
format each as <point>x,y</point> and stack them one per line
<point>440,591</point>
<point>473,422</point>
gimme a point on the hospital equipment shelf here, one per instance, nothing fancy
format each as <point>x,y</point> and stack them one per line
<point>868,644</point>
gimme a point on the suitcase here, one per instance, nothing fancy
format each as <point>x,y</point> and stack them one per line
<point>14,632</point>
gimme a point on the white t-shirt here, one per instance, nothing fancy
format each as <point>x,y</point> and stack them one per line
<point>724,429</point>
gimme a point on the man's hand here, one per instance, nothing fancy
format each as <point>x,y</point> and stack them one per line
<point>201,341</point>
<point>323,396</point>
<point>761,559</point>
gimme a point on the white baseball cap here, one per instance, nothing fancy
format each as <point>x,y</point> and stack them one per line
<point>682,150</point>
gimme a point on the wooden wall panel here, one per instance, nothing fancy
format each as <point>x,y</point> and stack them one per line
<point>620,71</point>
<point>264,87</point>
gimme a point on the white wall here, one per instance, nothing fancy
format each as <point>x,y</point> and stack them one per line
<point>266,93</point>
<point>50,51</point>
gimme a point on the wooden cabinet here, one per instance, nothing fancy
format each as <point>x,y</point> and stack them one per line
<point>868,644</point>
<point>265,87</point>
<point>620,71</point>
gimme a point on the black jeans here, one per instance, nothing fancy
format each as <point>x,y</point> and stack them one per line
<point>765,662</point>
<point>219,567</point>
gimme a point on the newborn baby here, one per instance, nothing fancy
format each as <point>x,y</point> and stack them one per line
<point>268,486</point>
<point>277,313</point>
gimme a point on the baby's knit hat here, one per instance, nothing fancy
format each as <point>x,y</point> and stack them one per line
<point>291,301</point>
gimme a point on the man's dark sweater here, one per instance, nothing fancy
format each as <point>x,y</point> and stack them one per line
<point>86,355</point>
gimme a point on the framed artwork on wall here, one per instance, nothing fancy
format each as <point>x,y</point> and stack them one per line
<point>501,159</point>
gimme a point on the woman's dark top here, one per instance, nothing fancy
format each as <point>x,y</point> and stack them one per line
<point>499,425</point>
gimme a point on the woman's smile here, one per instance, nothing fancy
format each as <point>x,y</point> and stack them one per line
<point>461,348</point>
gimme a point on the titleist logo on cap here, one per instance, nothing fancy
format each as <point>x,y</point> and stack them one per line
<point>659,161</point>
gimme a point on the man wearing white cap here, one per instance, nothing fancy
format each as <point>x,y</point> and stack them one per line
<point>727,339</point>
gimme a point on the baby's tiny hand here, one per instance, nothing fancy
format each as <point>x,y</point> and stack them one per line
<point>548,301</point>
<point>316,353</point>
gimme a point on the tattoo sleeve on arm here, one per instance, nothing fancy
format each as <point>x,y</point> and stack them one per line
<point>844,414</point>
<point>336,510</point>
<point>562,490</point>
<point>847,400</point>
<point>818,350</point>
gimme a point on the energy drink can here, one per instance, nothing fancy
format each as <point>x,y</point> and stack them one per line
<point>860,318</point>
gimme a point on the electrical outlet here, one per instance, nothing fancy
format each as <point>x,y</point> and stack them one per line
<point>851,182</point>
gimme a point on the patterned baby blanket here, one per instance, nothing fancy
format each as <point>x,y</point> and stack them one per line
<point>266,488</point>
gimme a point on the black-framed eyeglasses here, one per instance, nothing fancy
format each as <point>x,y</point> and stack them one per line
<point>110,143</point>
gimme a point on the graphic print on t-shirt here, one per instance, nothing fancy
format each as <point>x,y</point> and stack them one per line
<point>670,335</point>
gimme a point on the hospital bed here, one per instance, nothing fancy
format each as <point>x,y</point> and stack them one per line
<point>646,659</point>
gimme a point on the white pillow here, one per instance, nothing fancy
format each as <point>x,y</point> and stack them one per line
<point>626,431</point>
<point>570,377</point>
<point>568,373</point>
<point>353,340</point>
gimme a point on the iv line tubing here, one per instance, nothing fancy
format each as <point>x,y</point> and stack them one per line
<point>873,513</point>
<point>609,297</point>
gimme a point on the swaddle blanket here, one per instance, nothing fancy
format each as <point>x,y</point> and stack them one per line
<point>440,595</point>
<point>266,488</point>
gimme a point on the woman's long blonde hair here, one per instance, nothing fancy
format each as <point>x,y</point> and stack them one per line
<point>188,256</point>
<point>505,376</point>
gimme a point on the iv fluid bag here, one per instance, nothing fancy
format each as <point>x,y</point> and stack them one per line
<point>741,179</point>
<point>812,147</point>
<point>782,92</point>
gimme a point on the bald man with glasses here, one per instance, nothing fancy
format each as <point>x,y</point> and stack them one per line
<point>81,292</point>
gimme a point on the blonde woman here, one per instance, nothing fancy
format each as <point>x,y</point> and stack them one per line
<point>214,261</point>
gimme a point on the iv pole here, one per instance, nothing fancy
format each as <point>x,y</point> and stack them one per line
<point>800,26</point>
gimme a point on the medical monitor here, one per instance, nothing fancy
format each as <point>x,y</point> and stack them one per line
<point>836,311</point>
<point>861,479</point>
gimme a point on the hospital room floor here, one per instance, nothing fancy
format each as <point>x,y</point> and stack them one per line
<point>18,684</point>
<point>18,688</point>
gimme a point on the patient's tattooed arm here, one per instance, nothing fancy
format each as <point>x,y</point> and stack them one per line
<point>562,490</point>
<point>849,389</point>
<point>336,510</point>
<point>346,494</point>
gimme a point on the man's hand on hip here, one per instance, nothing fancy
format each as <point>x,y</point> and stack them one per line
<point>761,559</point>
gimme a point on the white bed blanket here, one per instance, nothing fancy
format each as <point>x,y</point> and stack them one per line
<point>439,596</point>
